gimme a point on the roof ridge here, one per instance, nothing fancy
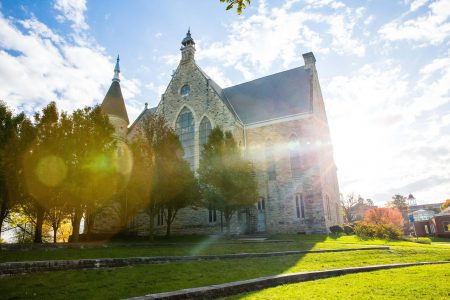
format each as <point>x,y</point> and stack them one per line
<point>270,75</point>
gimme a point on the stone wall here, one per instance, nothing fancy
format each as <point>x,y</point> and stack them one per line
<point>281,210</point>
<point>317,183</point>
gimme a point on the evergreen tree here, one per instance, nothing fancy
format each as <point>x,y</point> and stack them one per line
<point>161,180</point>
<point>10,134</point>
<point>226,179</point>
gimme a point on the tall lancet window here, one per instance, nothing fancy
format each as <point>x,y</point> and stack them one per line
<point>294,152</point>
<point>205,130</point>
<point>186,132</point>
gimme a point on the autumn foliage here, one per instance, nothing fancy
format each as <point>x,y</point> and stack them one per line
<point>382,223</point>
<point>384,216</point>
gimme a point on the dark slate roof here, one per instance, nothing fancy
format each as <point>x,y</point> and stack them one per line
<point>271,97</point>
<point>113,104</point>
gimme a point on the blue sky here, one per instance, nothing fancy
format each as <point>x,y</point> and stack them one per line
<point>384,68</point>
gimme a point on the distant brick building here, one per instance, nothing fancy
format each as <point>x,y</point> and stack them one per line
<point>437,225</point>
<point>279,121</point>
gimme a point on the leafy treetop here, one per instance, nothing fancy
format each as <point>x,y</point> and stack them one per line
<point>240,4</point>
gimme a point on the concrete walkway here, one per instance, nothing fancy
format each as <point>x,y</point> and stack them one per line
<point>11,268</point>
<point>238,287</point>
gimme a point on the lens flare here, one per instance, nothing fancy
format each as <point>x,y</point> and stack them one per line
<point>50,170</point>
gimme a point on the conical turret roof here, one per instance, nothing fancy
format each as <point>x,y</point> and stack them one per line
<point>113,103</point>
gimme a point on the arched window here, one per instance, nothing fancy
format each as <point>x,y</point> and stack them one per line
<point>186,132</point>
<point>294,152</point>
<point>205,130</point>
<point>270,162</point>
<point>300,206</point>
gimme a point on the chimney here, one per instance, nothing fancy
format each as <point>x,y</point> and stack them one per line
<point>310,60</point>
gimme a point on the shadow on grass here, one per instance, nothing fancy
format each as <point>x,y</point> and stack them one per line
<point>145,279</point>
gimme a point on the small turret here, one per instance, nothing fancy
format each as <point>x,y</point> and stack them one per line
<point>188,40</point>
<point>114,106</point>
<point>188,49</point>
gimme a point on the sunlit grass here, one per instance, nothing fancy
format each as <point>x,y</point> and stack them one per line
<point>421,282</point>
<point>145,279</point>
<point>204,246</point>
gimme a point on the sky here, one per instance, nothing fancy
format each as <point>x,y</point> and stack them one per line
<point>384,69</point>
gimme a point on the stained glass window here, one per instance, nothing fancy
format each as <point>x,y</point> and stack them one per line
<point>186,132</point>
<point>205,130</point>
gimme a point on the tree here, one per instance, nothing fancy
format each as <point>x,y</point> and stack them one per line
<point>350,203</point>
<point>347,204</point>
<point>94,173</point>
<point>161,179</point>
<point>445,204</point>
<point>399,201</point>
<point>240,4</point>
<point>10,132</point>
<point>176,183</point>
<point>384,216</point>
<point>225,177</point>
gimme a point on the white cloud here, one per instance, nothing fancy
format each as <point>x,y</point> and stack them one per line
<point>217,75</point>
<point>388,130</point>
<point>157,89</point>
<point>72,11</point>
<point>416,4</point>
<point>279,35</point>
<point>38,66</point>
<point>431,27</point>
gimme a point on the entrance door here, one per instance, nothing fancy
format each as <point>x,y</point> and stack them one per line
<point>261,216</point>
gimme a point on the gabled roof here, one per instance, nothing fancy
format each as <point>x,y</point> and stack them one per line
<point>113,104</point>
<point>144,113</point>
<point>271,97</point>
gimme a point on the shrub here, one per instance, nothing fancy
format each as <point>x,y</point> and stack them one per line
<point>384,216</point>
<point>336,229</point>
<point>380,231</point>
<point>348,229</point>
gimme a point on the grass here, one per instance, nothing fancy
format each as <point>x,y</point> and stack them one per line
<point>421,282</point>
<point>145,279</point>
<point>202,246</point>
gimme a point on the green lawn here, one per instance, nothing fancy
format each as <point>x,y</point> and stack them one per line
<point>202,246</point>
<point>144,279</point>
<point>421,282</point>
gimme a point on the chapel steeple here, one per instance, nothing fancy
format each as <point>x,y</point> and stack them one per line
<point>113,104</point>
<point>188,49</point>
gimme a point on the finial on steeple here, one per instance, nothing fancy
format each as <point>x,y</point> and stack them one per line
<point>188,40</point>
<point>116,70</point>
<point>146,105</point>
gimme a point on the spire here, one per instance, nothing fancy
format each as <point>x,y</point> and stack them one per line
<point>116,70</point>
<point>113,103</point>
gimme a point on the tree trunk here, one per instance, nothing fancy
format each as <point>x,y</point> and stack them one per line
<point>227,216</point>
<point>76,226</point>
<point>39,222</point>
<point>3,214</point>
<point>55,229</point>
<point>168,221</point>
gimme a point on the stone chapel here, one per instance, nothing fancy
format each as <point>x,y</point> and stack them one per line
<point>279,121</point>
